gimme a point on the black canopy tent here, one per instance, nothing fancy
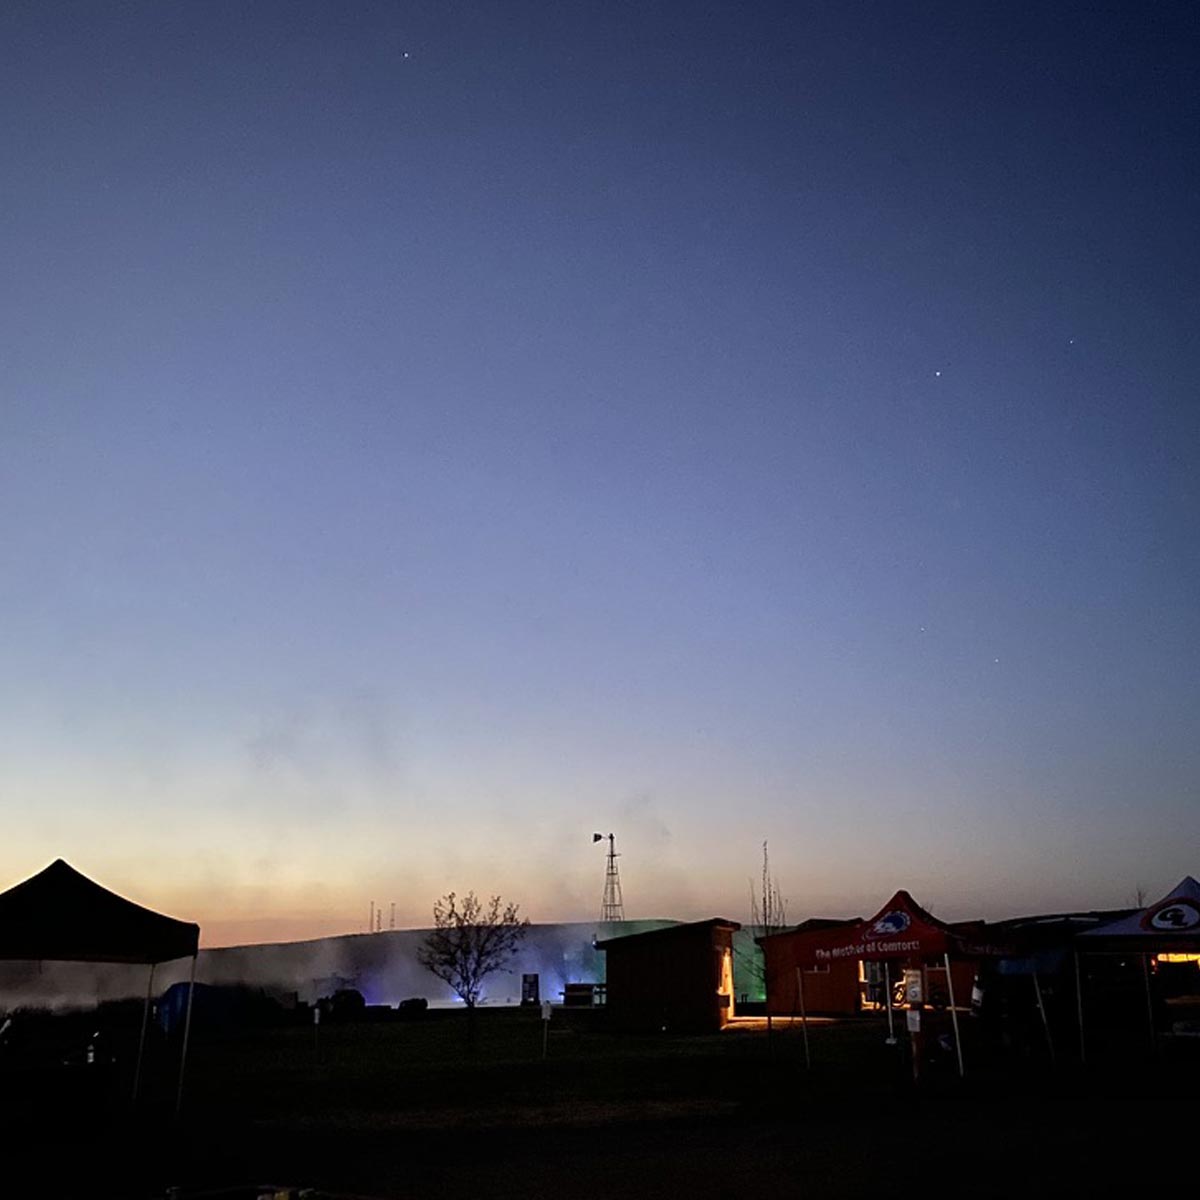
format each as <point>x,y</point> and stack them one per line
<point>60,915</point>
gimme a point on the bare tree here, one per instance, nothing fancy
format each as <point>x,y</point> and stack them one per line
<point>768,914</point>
<point>768,911</point>
<point>469,942</point>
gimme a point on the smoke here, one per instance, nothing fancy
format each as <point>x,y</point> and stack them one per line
<point>60,986</point>
<point>382,966</point>
<point>656,879</point>
<point>326,756</point>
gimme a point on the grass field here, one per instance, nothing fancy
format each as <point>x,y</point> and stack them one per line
<point>402,1109</point>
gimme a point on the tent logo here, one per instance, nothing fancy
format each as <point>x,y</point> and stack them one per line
<point>891,923</point>
<point>1175,916</point>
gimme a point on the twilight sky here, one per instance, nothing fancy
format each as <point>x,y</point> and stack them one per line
<point>431,432</point>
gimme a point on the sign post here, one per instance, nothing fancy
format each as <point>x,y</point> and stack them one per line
<point>546,1009</point>
<point>914,995</point>
<point>887,984</point>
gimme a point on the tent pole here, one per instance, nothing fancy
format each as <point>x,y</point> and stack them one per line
<point>137,1073</point>
<point>1149,1002</point>
<point>1037,991</point>
<point>187,1029</point>
<point>1079,1003</point>
<point>803,1016</point>
<point>887,983</point>
<point>954,1017</point>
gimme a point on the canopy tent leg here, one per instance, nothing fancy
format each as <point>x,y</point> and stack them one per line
<point>1037,991</point>
<point>1149,1003</point>
<point>1079,1005</point>
<point>803,1015</point>
<point>887,983</point>
<point>137,1072</point>
<point>954,1018</point>
<point>187,1029</point>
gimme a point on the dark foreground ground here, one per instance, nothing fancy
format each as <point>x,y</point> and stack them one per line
<point>404,1110</point>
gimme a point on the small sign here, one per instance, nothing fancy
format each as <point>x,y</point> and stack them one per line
<point>1173,916</point>
<point>890,924</point>
<point>913,1020</point>
<point>914,989</point>
<point>546,1008</point>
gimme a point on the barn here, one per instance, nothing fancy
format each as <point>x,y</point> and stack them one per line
<point>829,987</point>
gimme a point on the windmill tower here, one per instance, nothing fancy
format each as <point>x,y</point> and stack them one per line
<point>612,907</point>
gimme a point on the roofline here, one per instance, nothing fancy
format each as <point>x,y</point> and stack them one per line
<point>1104,915</point>
<point>712,922</point>
<point>826,924</point>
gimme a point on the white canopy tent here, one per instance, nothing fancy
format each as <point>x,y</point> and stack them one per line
<point>1171,925</point>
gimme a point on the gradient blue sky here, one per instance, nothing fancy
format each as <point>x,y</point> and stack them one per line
<point>430,432</point>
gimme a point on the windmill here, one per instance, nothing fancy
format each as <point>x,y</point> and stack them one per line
<point>612,907</point>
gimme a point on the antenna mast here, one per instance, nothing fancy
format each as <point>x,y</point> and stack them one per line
<point>612,906</point>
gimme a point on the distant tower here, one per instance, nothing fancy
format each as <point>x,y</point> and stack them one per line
<point>612,907</point>
<point>392,921</point>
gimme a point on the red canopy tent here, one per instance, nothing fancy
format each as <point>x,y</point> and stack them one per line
<point>60,915</point>
<point>900,930</point>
